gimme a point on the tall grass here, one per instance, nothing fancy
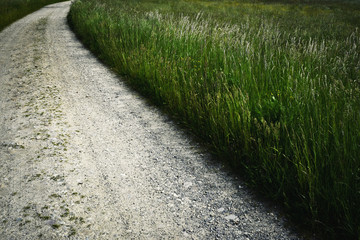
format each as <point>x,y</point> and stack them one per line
<point>12,10</point>
<point>274,88</point>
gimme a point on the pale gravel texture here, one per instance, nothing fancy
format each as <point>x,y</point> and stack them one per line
<point>84,157</point>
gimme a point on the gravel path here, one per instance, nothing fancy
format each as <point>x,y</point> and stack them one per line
<point>83,157</point>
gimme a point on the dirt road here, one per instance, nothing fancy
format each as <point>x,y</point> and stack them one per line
<point>84,157</point>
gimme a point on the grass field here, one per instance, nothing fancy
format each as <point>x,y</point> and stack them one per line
<point>12,10</point>
<point>273,86</point>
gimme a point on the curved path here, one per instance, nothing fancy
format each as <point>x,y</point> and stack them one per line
<point>83,157</point>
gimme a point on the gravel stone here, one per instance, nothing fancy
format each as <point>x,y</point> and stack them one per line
<point>232,217</point>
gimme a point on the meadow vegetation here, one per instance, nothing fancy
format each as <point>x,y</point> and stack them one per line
<point>273,86</point>
<point>12,10</point>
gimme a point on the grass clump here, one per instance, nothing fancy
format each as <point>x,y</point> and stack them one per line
<point>274,87</point>
<point>12,10</point>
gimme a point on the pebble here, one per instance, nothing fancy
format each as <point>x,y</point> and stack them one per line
<point>187,184</point>
<point>232,217</point>
<point>186,234</point>
<point>51,222</point>
<point>220,210</point>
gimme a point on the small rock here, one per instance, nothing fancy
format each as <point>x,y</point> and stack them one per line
<point>187,184</point>
<point>51,222</point>
<point>232,217</point>
<point>220,210</point>
<point>186,234</point>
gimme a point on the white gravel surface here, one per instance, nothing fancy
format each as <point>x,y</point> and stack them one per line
<point>84,157</point>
